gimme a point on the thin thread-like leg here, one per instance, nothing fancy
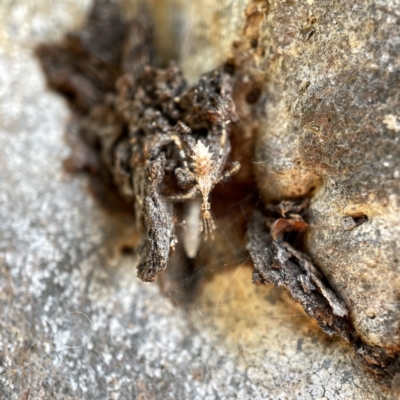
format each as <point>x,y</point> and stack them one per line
<point>181,127</point>
<point>222,144</point>
<point>208,227</point>
<point>191,194</point>
<point>234,169</point>
<point>182,155</point>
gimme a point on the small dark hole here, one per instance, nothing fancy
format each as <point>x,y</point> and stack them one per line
<point>359,218</point>
<point>254,43</point>
<point>229,68</point>
<point>202,132</point>
<point>310,34</point>
<point>127,250</point>
<point>352,221</point>
<point>69,94</point>
<point>294,238</point>
<point>253,96</point>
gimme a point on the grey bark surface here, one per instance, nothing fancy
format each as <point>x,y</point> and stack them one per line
<point>76,322</point>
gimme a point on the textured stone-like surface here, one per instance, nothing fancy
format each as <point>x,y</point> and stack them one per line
<point>326,118</point>
<point>60,257</point>
<point>331,106</point>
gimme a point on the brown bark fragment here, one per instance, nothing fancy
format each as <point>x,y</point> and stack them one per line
<point>278,263</point>
<point>158,140</point>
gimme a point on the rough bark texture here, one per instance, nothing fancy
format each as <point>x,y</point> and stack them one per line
<point>158,140</point>
<point>331,105</point>
<point>60,253</point>
<point>277,262</point>
<point>326,79</point>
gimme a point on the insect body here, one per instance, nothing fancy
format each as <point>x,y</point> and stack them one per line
<point>202,171</point>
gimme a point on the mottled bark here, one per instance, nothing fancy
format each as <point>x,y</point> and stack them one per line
<point>316,86</point>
